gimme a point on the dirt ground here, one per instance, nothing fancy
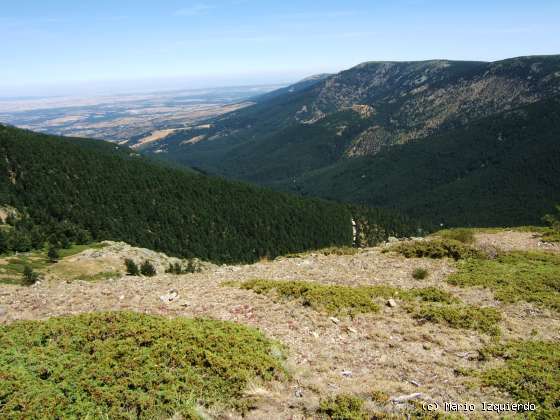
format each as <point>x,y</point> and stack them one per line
<point>387,351</point>
<point>515,241</point>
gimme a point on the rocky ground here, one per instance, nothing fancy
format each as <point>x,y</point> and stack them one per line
<point>387,351</point>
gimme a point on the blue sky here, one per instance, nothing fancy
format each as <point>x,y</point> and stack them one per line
<point>47,45</point>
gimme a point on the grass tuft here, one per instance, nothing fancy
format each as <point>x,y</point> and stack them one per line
<point>128,365</point>
<point>516,276</point>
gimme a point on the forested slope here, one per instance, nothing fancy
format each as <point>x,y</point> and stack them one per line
<point>503,170</point>
<point>73,190</point>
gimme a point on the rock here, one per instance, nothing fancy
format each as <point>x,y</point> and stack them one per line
<point>121,297</point>
<point>335,320</point>
<point>391,303</point>
<point>184,303</point>
<point>298,393</point>
<point>346,373</point>
<point>170,296</point>
<point>415,383</point>
<point>351,330</point>
<point>392,239</point>
<point>405,398</point>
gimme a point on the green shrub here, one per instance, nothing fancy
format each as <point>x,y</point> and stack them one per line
<point>420,273</point>
<point>123,365</point>
<point>437,248</point>
<point>330,298</point>
<point>53,254</point>
<point>29,276</point>
<point>147,269</point>
<point>463,235</point>
<point>192,267</point>
<point>340,250</point>
<point>343,407</point>
<point>131,267</point>
<point>530,373</point>
<point>429,294</point>
<point>458,316</point>
<point>553,221</point>
<point>515,276</point>
<point>429,304</point>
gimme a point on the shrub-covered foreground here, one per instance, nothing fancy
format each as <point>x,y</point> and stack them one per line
<point>530,374</point>
<point>122,365</point>
<point>515,276</point>
<point>428,304</point>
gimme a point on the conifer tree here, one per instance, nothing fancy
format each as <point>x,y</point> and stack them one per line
<point>131,267</point>
<point>147,269</point>
<point>53,254</point>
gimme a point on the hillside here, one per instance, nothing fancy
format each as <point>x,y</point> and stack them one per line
<point>293,135</point>
<point>61,190</point>
<point>358,333</point>
<point>503,170</point>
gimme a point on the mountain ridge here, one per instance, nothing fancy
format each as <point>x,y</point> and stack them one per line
<point>359,113</point>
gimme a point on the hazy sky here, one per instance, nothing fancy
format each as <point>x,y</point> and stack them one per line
<point>220,42</point>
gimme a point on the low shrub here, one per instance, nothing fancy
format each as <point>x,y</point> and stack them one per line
<point>437,248</point>
<point>343,407</point>
<point>339,250</point>
<point>463,235</point>
<point>458,316</point>
<point>515,276</point>
<point>420,273</point>
<point>330,298</point>
<point>429,294</point>
<point>530,373</point>
<point>123,365</point>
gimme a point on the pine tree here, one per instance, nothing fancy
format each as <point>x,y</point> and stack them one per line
<point>177,269</point>
<point>29,276</point>
<point>131,268</point>
<point>553,220</point>
<point>147,269</point>
<point>53,254</point>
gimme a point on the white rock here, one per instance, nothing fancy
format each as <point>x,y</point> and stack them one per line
<point>335,320</point>
<point>346,373</point>
<point>170,296</point>
<point>391,303</point>
<point>405,398</point>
